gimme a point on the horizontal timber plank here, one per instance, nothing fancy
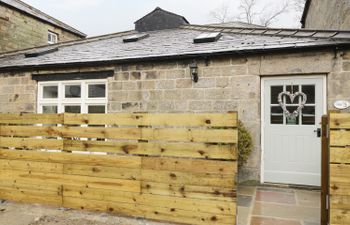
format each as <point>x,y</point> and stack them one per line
<point>164,134</point>
<point>28,119</point>
<point>189,165</point>
<point>190,191</point>
<point>339,121</point>
<point>340,138</point>
<point>340,202</point>
<point>74,158</point>
<point>200,179</point>
<point>103,171</point>
<point>196,205</point>
<point>82,181</point>
<point>170,149</point>
<point>31,166</point>
<point>339,155</point>
<point>150,212</point>
<point>339,216</point>
<point>31,143</point>
<point>30,196</point>
<point>154,119</point>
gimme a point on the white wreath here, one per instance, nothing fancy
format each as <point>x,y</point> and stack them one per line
<point>292,97</point>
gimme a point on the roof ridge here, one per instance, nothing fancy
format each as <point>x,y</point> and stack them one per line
<point>284,32</point>
<point>70,43</point>
<point>55,22</point>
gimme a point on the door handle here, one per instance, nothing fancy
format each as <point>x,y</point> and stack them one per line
<point>319,132</point>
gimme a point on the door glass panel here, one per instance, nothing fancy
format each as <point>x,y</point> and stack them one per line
<point>276,115</point>
<point>50,109</point>
<point>308,116</point>
<point>292,89</point>
<point>72,109</point>
<point>309,90</point>
<point>96,109</point>
<point>275,91</point>
<point>50,92</point>
<point>291,120</point>
<point>73,91</point>
<point>97,91</point>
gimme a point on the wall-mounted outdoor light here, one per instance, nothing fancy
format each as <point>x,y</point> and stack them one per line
<point>194,72</point>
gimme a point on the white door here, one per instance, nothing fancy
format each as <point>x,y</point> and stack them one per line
<point>292,148</point>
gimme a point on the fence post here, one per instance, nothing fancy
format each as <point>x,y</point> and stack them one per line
<point>325,171</point>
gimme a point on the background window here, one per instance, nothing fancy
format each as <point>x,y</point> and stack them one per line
<point>52,38</point>
<point>50,92</point>
<point>97,90</point>
<point>72,91</point>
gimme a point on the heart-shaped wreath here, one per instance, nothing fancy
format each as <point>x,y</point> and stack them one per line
<point>292,97</point>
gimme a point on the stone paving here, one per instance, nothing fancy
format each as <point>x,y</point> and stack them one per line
<point>278,206</point>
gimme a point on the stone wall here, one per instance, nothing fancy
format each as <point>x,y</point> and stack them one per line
<point>225,84</point>
<point>328,14</point>
<point>19,31</point>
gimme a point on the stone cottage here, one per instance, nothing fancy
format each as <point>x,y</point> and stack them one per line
<point>196,68</point>
<point>23,26</point>
<point>326,14</point>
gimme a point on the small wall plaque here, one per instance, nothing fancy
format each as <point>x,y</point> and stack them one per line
<point>341,104</point>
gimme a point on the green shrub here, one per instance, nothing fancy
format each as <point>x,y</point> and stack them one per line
<point>245,144</point>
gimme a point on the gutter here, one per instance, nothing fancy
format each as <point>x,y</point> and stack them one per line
<point>170,57</point>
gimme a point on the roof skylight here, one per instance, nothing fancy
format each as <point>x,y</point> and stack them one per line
<point>207,37</point>
<point>135,37</point>
<point>40,52</point>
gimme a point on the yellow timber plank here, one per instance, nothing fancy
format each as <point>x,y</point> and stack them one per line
<point>31,119</point>
<point>82,181</point>
<point>74,158</point>
<point>200,179</point>
<point>30,196</point>
<point>189,165</point>
<point>190,191</point>
<point>339,120</point>
<point>160,134</point>
<point>340,202</point>
<point>158,119</point>
<point>191,150</point>
<point>31,143</point>
<point>102,171</point>
<point>150,212</point>
<point>339,216</point>
<point>339,155</point>
<point>340,138</point>
<point>29,184</point>
<point>196,205</point>
<point>43,167</point>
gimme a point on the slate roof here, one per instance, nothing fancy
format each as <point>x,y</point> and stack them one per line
<point>25,8</point>
<point>235,24</point>
<point>173,43</point>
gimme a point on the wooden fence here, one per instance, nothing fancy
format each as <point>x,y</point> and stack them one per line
<point>169,167</point>
<point>339,167</point>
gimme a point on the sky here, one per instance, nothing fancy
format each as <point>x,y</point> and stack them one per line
<point>98,17</point>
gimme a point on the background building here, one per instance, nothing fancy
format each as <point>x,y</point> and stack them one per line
<point>22,26</point>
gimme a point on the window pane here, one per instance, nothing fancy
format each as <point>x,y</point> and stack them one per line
<point>50,109</point>
<point>276,115</point>
<point>72,109</point>
<point>73,91</point>
<point>97,91</point>
<point>308,117</point>
<point>275,91</point>
<point>292,121</point>
<point>309,90</point>
<point>50,91</point>
<point>292,89</point>
<point>97,109</point>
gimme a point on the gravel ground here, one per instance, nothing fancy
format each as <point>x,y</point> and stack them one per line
<point>25,214</point>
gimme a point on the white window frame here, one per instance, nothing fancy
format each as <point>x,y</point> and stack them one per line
<point>84,101</point>
<point>52,37</point>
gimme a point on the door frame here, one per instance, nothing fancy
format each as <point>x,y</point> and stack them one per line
<point>262,108</point>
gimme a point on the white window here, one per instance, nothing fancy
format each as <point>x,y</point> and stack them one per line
<point>83,96</point>
<point>52,38</point>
